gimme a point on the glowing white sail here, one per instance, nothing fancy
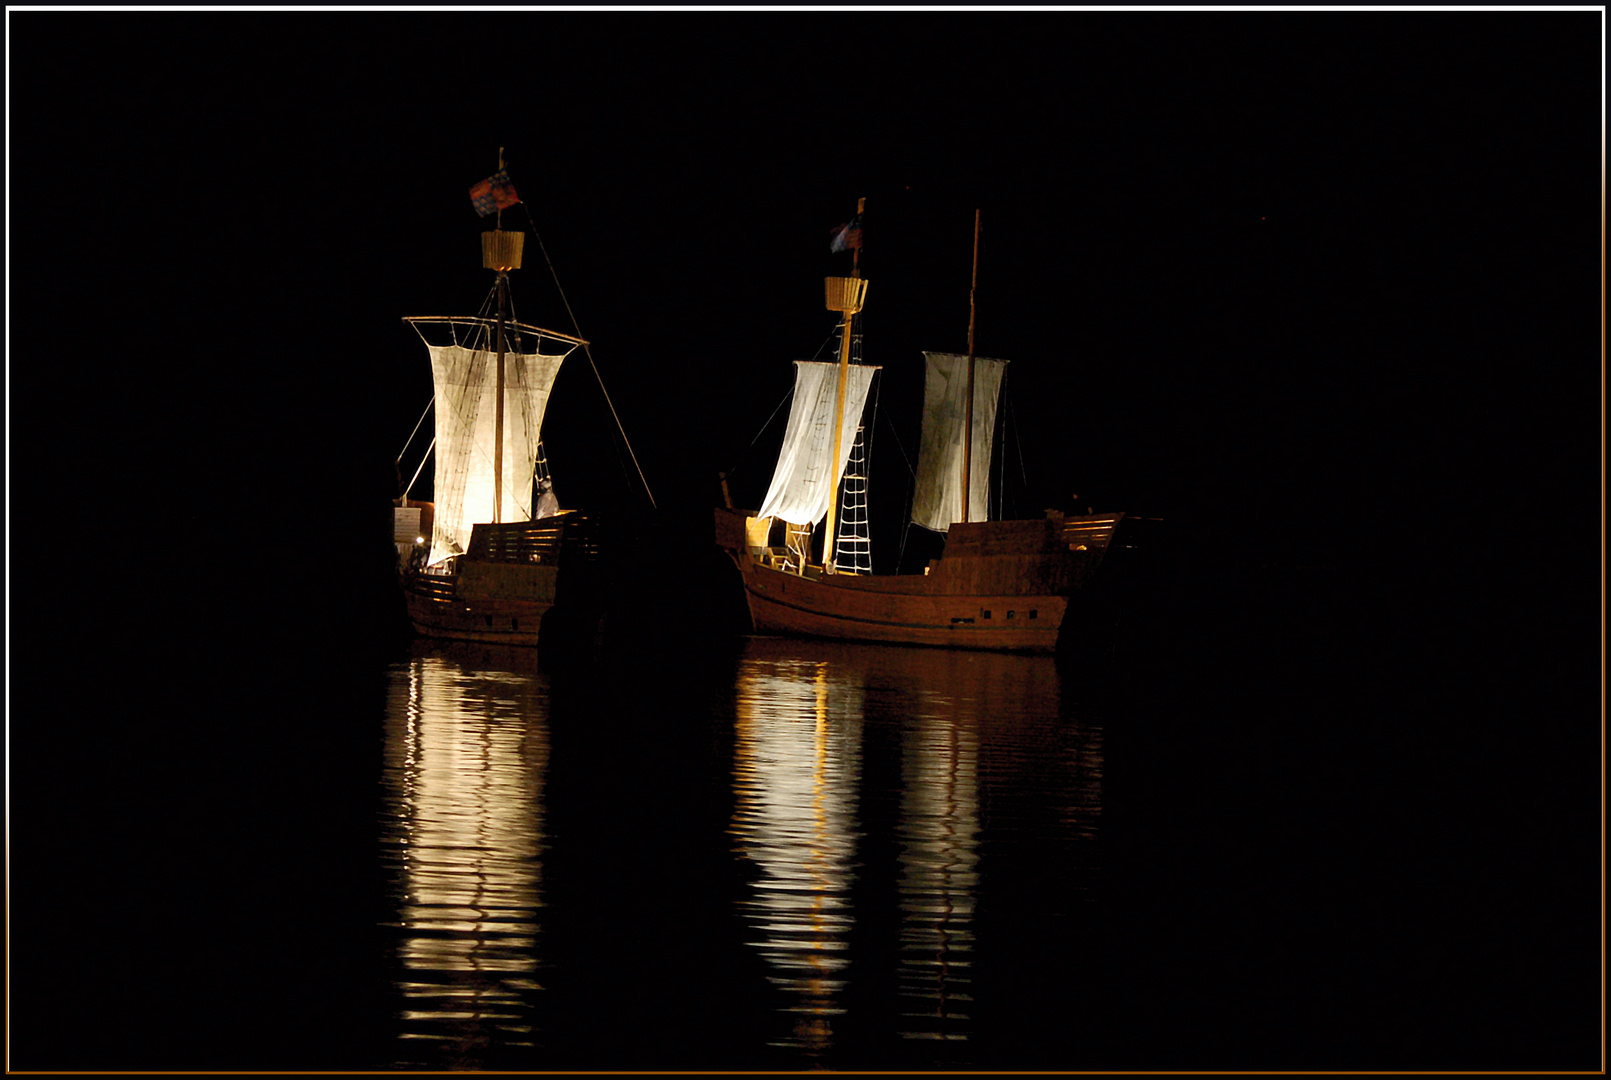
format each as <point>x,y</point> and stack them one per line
<point>937,501</point>
<point>802,481</point>
<point>466,411</point>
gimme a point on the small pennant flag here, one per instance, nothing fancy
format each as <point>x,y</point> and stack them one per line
<point>847,235</point>
<point>494,193</point>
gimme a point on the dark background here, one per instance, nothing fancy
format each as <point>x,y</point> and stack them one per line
<point>1285,268</point>
<point>1319,289</point>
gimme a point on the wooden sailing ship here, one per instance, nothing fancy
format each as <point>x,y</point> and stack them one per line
<point>1008,585</point>
<point>492,554</point>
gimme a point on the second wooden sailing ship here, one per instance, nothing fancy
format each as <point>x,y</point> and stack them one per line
<point>1006,585</point>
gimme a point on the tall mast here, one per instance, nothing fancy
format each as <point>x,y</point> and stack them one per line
<point>967,409</point>
<point>500,251</point>
<point>846,295</point>
<point>497,426</point>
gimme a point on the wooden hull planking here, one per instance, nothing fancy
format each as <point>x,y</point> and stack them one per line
<point>503,587</point>
<point>487,619</point>
<point>1001,585</point>
<point>784,603</point>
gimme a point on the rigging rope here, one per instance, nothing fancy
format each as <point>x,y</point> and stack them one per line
<point>419,470</point>
<point>416,430</point>
<point>896,435</point>
<point>825,352</point>
<point>867,457</point>
<point>998,447</point>
<point>1022,473</point>
<point>787,394</point>
<point>589,354</point>
<point>872,425</point>
<point>911,490</point>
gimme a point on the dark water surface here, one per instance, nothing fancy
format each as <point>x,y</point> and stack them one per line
<point>1263,842</point>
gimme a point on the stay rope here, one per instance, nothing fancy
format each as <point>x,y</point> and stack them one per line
<point>787,394</point>
<point>416,430</point>
<point>589,354</point>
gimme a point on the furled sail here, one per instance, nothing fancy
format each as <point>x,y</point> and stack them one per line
<point>466,418</point>
<point>802,482</point>
<point>937,501</point>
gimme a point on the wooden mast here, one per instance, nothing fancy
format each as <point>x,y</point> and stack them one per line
<point>500,251</point>
<point>497,426</point>
<point>850,293</point>
<point>967,410</point>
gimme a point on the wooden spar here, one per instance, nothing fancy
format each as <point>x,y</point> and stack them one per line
<point>497,426</point>
<point>967,410</point>
<point>828,561</point>
<point>477,321</point>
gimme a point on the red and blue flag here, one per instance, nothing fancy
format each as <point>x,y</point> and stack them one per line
<point>847,236</point>
<point>494,193</point>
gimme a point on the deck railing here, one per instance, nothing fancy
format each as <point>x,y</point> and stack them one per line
<point>568,538</point>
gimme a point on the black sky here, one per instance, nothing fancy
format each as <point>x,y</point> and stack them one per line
<point>1278,263</point>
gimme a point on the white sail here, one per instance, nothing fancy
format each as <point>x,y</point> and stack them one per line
<point>937,501</point>
<point>802,482</point>
<point>466,419</point>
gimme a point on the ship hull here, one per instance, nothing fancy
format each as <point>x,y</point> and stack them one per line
<point>502,590</point>
<point>781,602</point>
<point>1004,586</point>
<point>442,612</point>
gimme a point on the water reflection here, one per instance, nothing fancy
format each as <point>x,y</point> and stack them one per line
<point>855,765</point>
<point>466,757</point>
<point>939,833</point>
<point>884,868</point>
<point>796,775</point>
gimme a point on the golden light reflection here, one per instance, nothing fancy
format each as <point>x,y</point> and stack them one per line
<point>465,762</point>
<point>960,718</point>
<point>796,775</point>
<point>939,831</point>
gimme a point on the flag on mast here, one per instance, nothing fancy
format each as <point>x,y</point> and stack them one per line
<point>847,236</point>
<point>494,193</point>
